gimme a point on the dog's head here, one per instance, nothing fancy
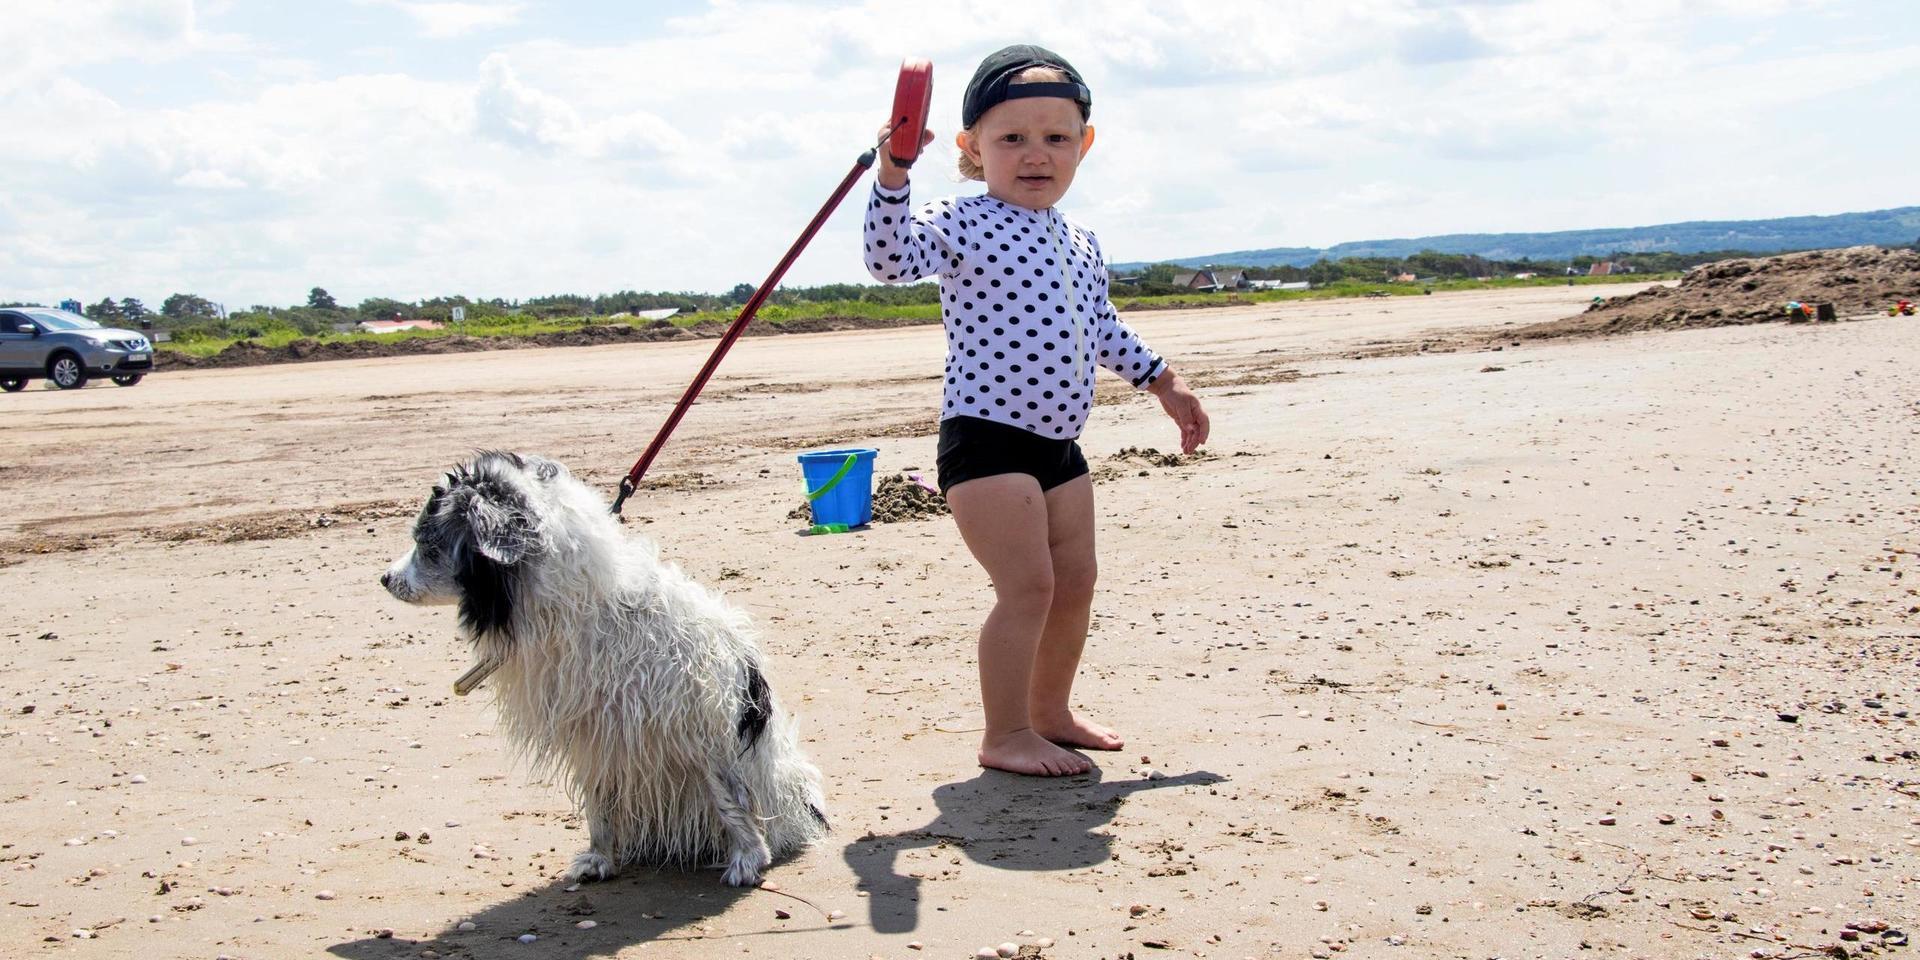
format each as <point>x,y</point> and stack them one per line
<point>480,526</point>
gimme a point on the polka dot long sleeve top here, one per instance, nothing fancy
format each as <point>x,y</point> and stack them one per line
<point>1023,294</point>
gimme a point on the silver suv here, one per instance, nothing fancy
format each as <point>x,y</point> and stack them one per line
<point>68,349</point>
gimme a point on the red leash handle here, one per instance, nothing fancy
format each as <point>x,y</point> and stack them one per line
<point>912,96</point>
<point>912,93</point>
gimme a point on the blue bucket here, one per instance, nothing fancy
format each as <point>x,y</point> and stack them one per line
<point>840,485</point>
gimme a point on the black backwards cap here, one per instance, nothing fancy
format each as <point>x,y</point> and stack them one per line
<point>993,84</point>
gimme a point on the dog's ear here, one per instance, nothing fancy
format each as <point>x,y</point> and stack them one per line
<point>505,529</point>
<point>544,470</point>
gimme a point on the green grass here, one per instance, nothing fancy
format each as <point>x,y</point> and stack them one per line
<point>778,314</point>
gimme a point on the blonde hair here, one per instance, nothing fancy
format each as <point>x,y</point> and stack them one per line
<point>970,170</point>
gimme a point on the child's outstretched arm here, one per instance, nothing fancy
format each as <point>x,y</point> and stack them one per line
<point>903,244</point>
<point>1183,406</point>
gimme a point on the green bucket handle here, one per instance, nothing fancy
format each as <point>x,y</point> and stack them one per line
<point>834,481</point>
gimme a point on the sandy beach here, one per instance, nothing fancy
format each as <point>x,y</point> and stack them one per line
<point>1447,646</point>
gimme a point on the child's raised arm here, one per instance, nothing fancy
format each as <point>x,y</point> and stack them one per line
<point>903,244</point>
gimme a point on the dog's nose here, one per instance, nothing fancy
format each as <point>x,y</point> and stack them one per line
<point>386,579</point>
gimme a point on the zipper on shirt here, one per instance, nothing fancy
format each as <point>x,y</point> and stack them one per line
<point>1073,305</point>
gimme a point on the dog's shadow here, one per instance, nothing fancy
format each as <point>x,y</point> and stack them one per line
<point>639,907</point>
<point>997,820</point>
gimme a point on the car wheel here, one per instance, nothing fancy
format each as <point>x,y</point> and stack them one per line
<point>13,386</point>
<point>66,372</point>
<point>127,379</point>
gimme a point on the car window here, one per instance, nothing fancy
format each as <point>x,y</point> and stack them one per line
<point>62,320</point>
<point>14,323</point>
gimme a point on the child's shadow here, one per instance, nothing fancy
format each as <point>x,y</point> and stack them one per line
<point>999,820</point>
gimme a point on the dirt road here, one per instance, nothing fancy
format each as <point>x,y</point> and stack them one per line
<point>1441,651</point>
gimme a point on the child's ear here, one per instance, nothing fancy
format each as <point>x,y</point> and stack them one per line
<point>1086,139</point>
<point>964,140</point>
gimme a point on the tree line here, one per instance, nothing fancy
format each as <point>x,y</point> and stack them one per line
<point>190,315</point>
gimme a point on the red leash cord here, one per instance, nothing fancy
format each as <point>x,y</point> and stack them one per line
<point>913,90</point>
<point>632,480</point>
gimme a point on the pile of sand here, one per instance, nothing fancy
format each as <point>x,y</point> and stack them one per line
<point>1857,281</point>
<point>896,498</point>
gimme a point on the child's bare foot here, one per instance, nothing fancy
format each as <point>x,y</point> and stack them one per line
<point>1024,751</point>
<point>1072,731</point>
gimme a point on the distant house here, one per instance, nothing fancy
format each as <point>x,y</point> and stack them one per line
<point>1279,284</point>
<point>1212,279</point>
<point>395,326</point>
<point>1406,278</point>
<point>1525,275</point>
<point>1602,269</point>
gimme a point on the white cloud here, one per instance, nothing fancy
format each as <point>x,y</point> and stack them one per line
<point>441,21</point>
<point>250,169</point>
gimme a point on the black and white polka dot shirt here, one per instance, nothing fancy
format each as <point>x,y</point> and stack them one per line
<point>1023,294</point>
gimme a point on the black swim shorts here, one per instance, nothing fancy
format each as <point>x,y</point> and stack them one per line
<point>971,448</point>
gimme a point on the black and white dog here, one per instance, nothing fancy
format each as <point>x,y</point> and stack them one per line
<point>613,672</point>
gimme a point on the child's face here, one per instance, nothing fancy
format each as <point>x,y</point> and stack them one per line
<point>1029,149</point>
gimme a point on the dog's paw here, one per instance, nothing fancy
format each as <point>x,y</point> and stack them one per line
<point>743,869</point>
<point>591,866</point>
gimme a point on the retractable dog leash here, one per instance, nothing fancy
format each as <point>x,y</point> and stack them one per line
<point>912,95</point>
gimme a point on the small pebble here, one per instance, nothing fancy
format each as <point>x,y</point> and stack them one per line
<point>154,919</point>
<point>384,933</point>
<point>1320,905</point>
<point>1044,942</point>
<point>586,924</point>
<point>986,953</point>
<point>83,934</point>
<point>1137,909</point>
<point>137,778</point>
<point>188,841</point>
<point>836,915</point>
<point>1607,821</point>
<point>916,945</point>
<point>468,926</point>
<point>1309,879</point>
<point>528,938</point>
<point>324,895</point>
<point>1007,949</point>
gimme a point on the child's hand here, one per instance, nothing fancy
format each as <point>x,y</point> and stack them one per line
<point>1181,404</point>
<point>891,176</point>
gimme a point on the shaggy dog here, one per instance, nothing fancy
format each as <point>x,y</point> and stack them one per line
<point>613,672</point>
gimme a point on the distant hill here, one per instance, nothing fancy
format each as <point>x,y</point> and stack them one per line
<point>1896,227</point>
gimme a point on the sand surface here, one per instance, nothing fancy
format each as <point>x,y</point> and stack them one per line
<point>1581,648</point>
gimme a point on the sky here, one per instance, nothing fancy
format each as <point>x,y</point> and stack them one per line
<point>247,151</point>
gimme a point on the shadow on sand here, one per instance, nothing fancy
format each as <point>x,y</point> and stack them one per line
<point>1003,821</point>
<point>642,906</point>
<point>999,820</point>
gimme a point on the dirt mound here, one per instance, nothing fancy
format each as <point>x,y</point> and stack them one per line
<point>896,498</point>
<point>899,497</point>
<point>249,354</point>
<point>1133,461</point>
<point>1153,457</point>
<point>1856,280</point>
<point>280,524</point>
